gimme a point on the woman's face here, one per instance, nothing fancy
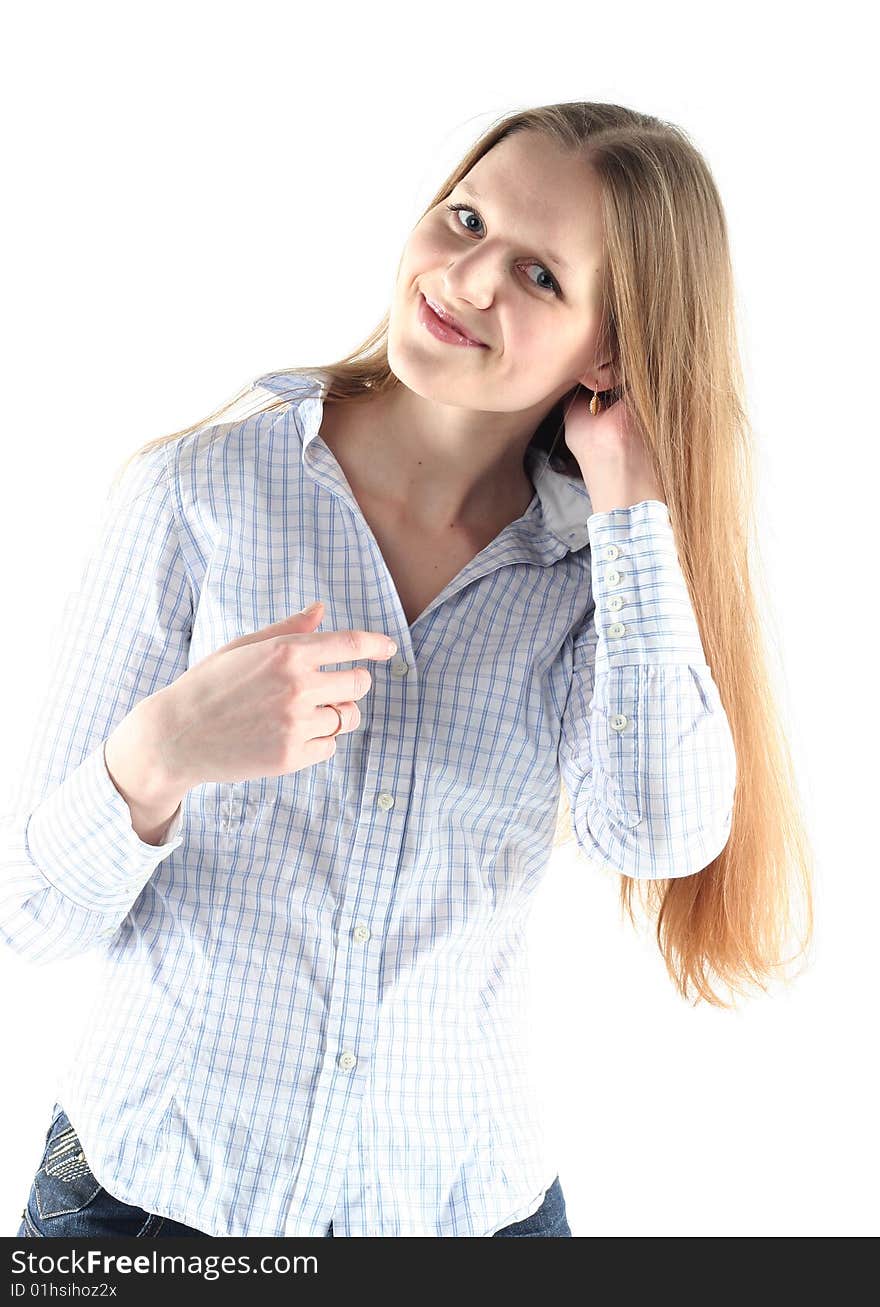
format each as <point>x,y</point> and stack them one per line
<point>495,265</point>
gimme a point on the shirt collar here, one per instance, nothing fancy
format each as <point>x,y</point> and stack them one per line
<point>564,501</point>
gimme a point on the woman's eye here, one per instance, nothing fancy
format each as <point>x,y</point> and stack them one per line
<point>464,208</point>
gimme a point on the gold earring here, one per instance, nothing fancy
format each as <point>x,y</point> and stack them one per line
<point>595,402</point>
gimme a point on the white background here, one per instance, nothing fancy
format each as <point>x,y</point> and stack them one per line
<point>198,193</point>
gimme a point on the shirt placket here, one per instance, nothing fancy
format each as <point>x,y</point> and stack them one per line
<point>327,1192</point>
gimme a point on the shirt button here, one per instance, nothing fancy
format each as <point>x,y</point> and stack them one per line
<point>615,603</point>
<point>611,552</point>
<point>618,721</point>
<point>347,1060</point>
<point>399,667</point>
<point>361,933</point>
<point>385,800</point>
<point>612,577</point>
<point>616,628</point>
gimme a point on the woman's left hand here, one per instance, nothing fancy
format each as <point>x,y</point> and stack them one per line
<point>611,453</point>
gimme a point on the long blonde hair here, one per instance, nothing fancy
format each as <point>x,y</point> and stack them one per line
<point>669,327</point>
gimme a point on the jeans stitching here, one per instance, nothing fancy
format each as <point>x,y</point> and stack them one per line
<point>31,1227</point>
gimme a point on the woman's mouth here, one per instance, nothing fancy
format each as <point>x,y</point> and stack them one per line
<point>442,329</point>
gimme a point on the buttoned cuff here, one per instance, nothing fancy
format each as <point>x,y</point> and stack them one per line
<point>643,608</point>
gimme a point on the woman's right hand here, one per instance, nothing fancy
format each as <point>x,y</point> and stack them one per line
<point>257,706</point>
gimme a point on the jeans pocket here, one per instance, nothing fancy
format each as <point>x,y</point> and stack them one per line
<point>63,1183</point>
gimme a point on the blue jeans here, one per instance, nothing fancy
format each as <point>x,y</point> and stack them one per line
<point>66,1201</point>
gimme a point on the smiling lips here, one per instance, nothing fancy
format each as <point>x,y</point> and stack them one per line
<point>449,322</point>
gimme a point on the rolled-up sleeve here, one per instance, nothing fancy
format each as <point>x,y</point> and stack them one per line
<point>646,751</point>
<point>71,863</point>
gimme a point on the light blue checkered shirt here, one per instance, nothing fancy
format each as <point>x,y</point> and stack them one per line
<point>313,997</point>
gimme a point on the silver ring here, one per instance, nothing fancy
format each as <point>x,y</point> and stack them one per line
<point>339,715</point>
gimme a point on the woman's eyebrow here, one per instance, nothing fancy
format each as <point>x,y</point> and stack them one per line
<point>466,186</point>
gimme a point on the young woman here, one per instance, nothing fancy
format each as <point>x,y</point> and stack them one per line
<point>309,886</point>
